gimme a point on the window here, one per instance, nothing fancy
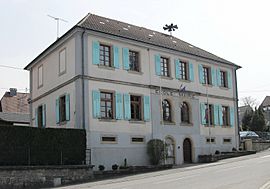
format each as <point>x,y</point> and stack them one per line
<point>164,66</point>
<point>134,61</point>
<point>210,139</point>
<point>135,103</point>
<point>62,102</point>
<point>225,115</point>
<point>206,75</point>
<point>105,55</point>
<point>108,139</point>
<point>106,105</point>
<point>227,140</point>
<point>185,113</point>
<point>210,117</point>
<point>62,62</point>
<point>166,108</point>
<point>40,76</point>
<point>40,117</point>
<point>223,79</point>
<point>137,140</point>
<point>183,70</point>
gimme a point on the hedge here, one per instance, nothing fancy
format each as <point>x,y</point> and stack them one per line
<point>41,146</point>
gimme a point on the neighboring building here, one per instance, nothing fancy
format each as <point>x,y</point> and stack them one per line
<point>105,76</point>
<point>241,111</point>
<point>14,119</point>
<point>266,110</point>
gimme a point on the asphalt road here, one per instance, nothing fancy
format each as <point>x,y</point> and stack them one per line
<point>248,172</point>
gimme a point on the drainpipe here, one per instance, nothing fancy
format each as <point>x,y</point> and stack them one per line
<point>237,113</point>
<point>83,96</point>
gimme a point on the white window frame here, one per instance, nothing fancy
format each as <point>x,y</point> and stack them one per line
<point>40,76</point>
<point>61,72</point>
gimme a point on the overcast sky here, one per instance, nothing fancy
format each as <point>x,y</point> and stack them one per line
<point>237,30</point>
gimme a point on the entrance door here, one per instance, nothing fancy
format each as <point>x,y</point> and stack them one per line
<point>170,148</point>
<point>187,150</point>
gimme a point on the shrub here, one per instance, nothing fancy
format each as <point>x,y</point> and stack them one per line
<point>101,167</point>
<point>156,151</point>
<point>115,167</point>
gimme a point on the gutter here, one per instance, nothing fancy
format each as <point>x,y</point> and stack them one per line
<point>83,89</point>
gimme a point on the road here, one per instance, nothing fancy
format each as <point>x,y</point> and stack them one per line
<point>248,172</point>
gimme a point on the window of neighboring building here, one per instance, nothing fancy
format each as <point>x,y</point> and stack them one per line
<point>210,117</point>
<point>105,55</point>
<point>40,76</point>
<point>62,106</point>
<point>137,139</point>
<point>185,113</point>
<point>223,79</point>
<point>227,140</point>
<point>206,75</point>
<point>183,70</point>
<point>62,62</point>
<point>40,116</point>
<point>134,61</point>
<point>164,66</point>
<point>108,139</point>
<point>225,115</point>
<point>166,108</point>
<point>210,139</point>
<point>106,105</point>
<point>136,109</point>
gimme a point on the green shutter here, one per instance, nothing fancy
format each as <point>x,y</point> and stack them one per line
<point>176,67</point>
<point>44,115</point>
<point>95,52</point>
<point>220,115</point>
<point>36,117</point>
<point>213,74</point>
<point>96,104</point>
<point>200,68</point>
<point>157,64</point>
<point>127,115</point>
<point>119,106</point>
<point>216,115</point>
<point>203,108</point>
<point>191,72</point>
<point>67,107</point>
<point>116,57</point>
<point>232,122</point>
<point>126,58</point>
<point>57,111</point>
<point>218,77</point>
<point>146,106</point>
<point>229,76</point>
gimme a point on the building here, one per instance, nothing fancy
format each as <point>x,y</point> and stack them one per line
<point>105,76</point>
<point>266,110</point>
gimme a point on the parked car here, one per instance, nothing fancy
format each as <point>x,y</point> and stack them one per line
<point>249,135</point>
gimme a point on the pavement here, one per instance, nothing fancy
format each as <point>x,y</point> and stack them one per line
<point>246,172</point>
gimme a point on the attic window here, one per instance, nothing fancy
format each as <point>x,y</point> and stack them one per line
<point>102,22</point>
<point>125,29</point>
<point>190,46</point>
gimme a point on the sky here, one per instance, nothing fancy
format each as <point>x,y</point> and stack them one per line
<point>236,30</point>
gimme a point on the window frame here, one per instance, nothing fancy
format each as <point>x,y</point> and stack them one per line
<point>62,109</point>
<point>211,111</point>
<point>40,116</point>
<point>183,70</point>
<point>213,140</point>
<point>42,76</point>
<point>164,111</point>
<point>207,75</point>
<point>135,61</point>
<point>115,141</point>
<point>140,108</point>
<point>65,62</point>
<point>137,142</point>
<point>226,117</point>
<point>102,48</point>
<point>223,79</point>
<point>111,100</point>
<point>164,72</point>
<point>227,142</point>
<point>187,112</point>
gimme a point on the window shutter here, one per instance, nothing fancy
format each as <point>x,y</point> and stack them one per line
<point>218,78</point>
<point>67,107</point>
<point>220,115</point>
<point>36,117</point>
<point>229,76</point>
<point>191,72</point>
<point>57,111</point>
<point>203,108</point>
<point>231,116</point>
<point>126,58</point>
<point>95,52</point>
<point>119,106</point>
<point>146,106</point>
<point>176,63</point>
<point>44,115</point>
<point>96,104</point>
<point>200,73</point>
<point>214,78</point>
<point>116,57</point>
<point>127,106</point>
<point>216,117</point>
<point>157,64</point>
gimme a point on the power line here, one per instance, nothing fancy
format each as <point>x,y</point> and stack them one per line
<point>12,67</point>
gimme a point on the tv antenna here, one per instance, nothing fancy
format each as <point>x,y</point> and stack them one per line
<point>57,22</point>
<point>170,28</point>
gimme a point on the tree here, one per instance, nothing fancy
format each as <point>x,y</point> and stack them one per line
<point>249,101</point>
<point>246,120</point>
<point>156,151</point>
<point>258,121</point>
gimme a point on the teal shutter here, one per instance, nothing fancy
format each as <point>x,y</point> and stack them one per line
<point>200,67</point>
<point>116,57</point>
<point>126,58</point>
<point>218,77</point>
<point>127,106</point>
<point>229,76</point>
<point>213,74</point>
<point>176,66</point>
<point>232,116</point>
<point>203,108</point>
<point>96,104</point>
<point>191,72</point>
<point>95,52</point>
<point>157,64</point>
<point>146,106</point>
<point>216,117</point>
<point>220,115</point>
<point>119,106</point>
<point>36,117</point>
<point>57,111</point>
<point>44,115</point>
<point>67,107</point>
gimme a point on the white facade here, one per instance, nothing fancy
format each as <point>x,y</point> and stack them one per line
<point>81,77</point>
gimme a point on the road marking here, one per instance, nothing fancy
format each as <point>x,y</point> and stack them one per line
<point>228,169</point>
<point>266,185</point>
<point>175,179</point>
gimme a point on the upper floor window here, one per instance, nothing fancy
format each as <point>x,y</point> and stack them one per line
<point>225,115</point>
<point>183,70</point>
<point>185,113</point>
<point>223,79</point>
<point>166,110</point>
<point>209,114</point>
<point>62,62</point>
<point>134,61</point>
<point>206,75</point>
<point>105,55</point>
<point>164,66</point>
<point>40,76</point>
<point>136,107</point>
<point>62,102</point>
<point>106,105</point>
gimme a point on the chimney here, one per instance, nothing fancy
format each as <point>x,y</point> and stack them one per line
<point>12,92</point>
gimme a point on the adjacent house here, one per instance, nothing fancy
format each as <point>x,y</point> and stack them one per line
<point>126,84</point>
<point>266,110</point>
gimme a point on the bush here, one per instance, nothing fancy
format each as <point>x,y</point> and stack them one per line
<point>101,167</point>
<point>115,167</point>
<point>156,151</point>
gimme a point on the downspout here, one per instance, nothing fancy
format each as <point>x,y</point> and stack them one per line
<point>83,96</point>
<point>237,113</point>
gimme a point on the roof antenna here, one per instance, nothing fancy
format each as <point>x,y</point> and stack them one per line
<point>170,28</point>
<point>57,20</point>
